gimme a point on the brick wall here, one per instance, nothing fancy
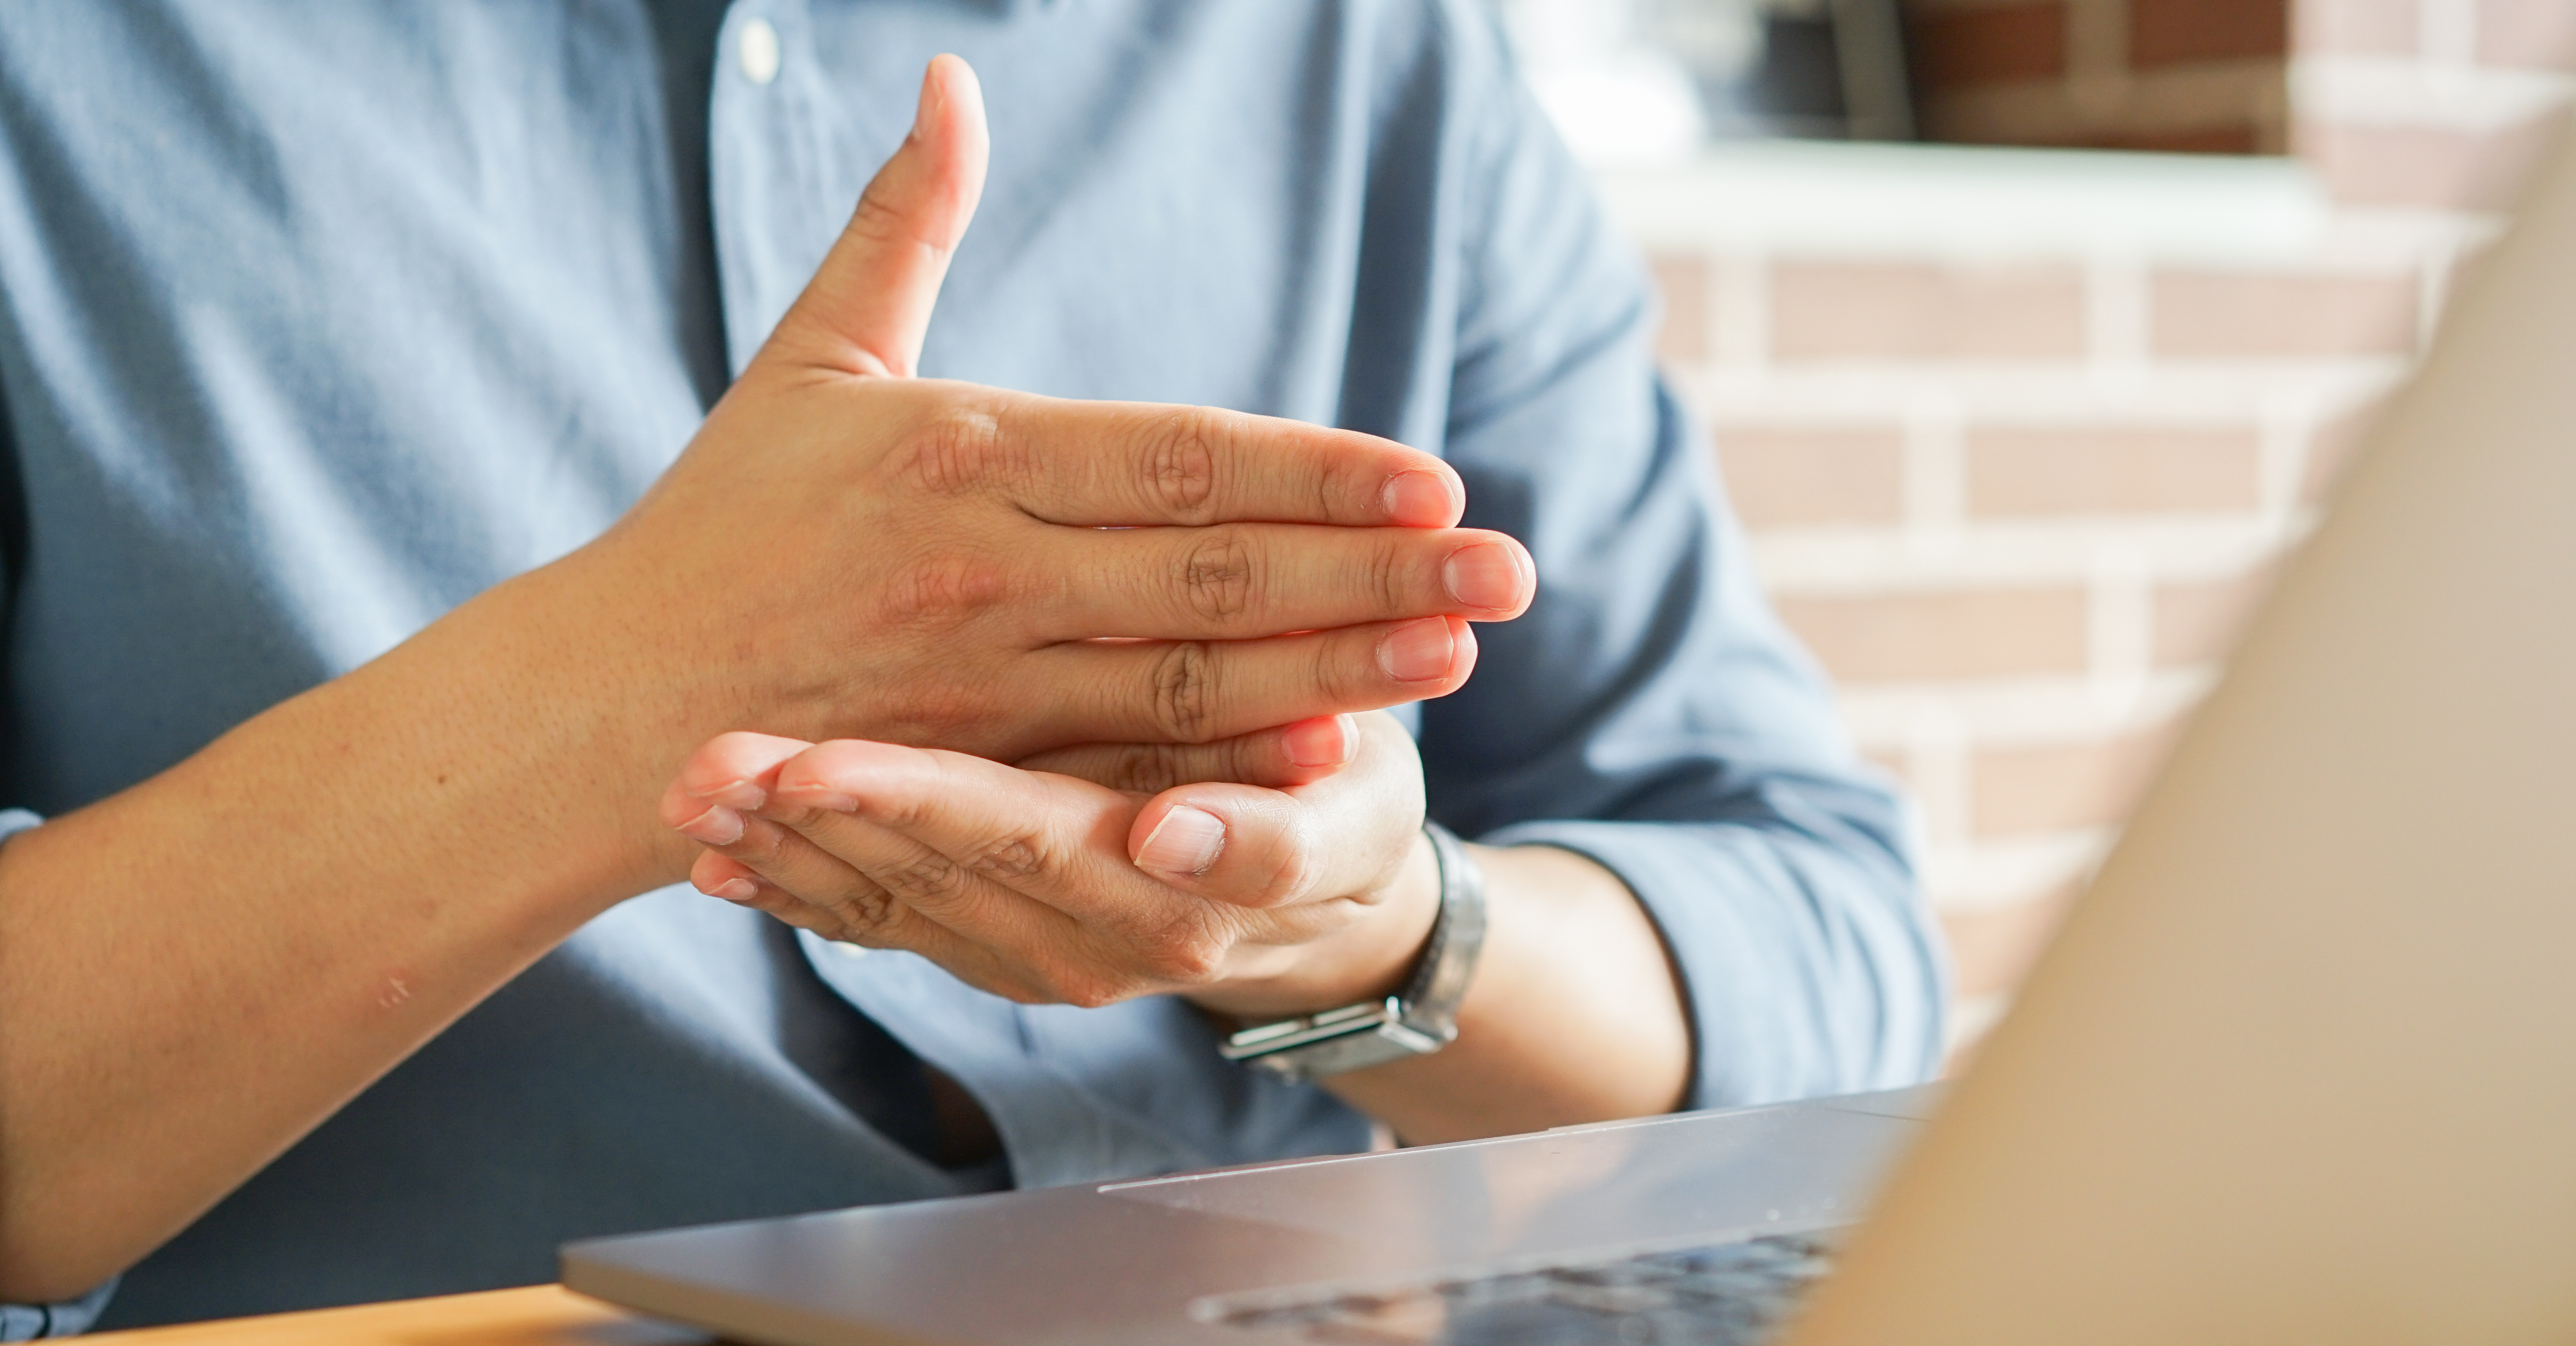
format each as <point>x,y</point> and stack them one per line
<point>2195,75</point>
<point>2017,492</point>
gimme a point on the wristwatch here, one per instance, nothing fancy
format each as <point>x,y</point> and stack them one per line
<point>1418,1021</point>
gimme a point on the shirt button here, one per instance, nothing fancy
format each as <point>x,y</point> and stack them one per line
<point>756,51</point>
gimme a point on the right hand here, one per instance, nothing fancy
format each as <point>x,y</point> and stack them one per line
<point>847,551</point>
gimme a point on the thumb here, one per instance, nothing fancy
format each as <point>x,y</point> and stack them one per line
<point>868,306</point>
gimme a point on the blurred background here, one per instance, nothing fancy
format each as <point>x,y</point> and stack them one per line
<point>2030,332</point>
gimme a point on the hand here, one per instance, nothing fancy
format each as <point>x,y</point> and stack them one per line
<point>847,551</point>
<point>1044,887</point>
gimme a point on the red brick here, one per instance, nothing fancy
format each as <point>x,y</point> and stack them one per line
<point>1904,637</point>
<point>1901,311</point>
<point>1786,477</point>
<point>1951,49</point>
<point>2111,471</point>
<point>2415,166</point>
<point>2200,623</point>
<point>2067,785</point>
<point>2375,27</point>
<point>2199,314</point>
<point>2245,138</point>
<point>1683,283</point>
<point>2534,33</point>
<point>1993,948</point>
<point>2176,32</point>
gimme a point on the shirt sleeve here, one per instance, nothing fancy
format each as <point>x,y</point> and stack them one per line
<point>28,1322</point>
<point>1650,711</point>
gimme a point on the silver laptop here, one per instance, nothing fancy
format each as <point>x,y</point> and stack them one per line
<point>2300,1068</point>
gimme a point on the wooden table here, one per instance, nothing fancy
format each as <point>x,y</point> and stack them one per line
<point>540,1315</point>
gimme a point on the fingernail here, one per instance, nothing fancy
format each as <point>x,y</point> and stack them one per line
<point>830,801</point>
<point>1319,742</point>
<point>1186,841</point>
<point>1485,575</point>
<point>1420,498</point>
<point>718,826</point>
<point>741,794</point>
<point>1417,651</point>
<point>735,890</point>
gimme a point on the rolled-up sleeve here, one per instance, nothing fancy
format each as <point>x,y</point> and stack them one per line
<point>28,1322</point>
<point>1650,711</point>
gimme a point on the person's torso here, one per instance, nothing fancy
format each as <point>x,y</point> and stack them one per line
<point>317,319</point>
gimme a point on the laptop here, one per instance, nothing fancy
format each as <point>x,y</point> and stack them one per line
<point>2301,1066</point>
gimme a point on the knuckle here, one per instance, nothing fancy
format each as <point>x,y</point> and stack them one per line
<point>1184,691</point>
<point>1292,878</point>
<point>763,843</point>
<point>924,879</point>
<point>866,915</point>
<point>1181,466</point>
<point>1390,574</point>
<point>874,220</point>
<point>1143,768</point>
<point>1088,988</point>
<point>1341,483</point>
<point>1338,664</point>
<point>943,589</point>
<point>1009,857</point>
<point>1184,952</point>
<point>934,711</point>
<point>1217,574</point>
<point>956,450</point>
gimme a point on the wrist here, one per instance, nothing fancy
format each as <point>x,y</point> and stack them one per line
<point>555,719</point>
<point>1382,1030</point>
<point>1369,959</point>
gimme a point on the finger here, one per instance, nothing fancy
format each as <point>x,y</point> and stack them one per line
<point>1204,691</point>
<point>1290,754</point>
<point>868,306</point>
<point>1090,927</point>
<point>733,881</point>
<point>1242,581</point>
<point>926,823</point>
<point>732,769</point>
<point>1267,848</point>
<point>772,868</point>
<point>1237,842</point>
<point>936,827</point>
<point>1128,464</point>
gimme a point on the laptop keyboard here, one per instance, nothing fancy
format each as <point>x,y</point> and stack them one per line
<point>1727,1294</point>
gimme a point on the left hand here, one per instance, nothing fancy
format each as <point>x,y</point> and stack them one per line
<point>1046,888</point>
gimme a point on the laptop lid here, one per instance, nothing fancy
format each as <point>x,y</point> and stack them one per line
<point>2302,1065</point>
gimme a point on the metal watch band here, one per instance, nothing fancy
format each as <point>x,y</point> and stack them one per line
<point>1420,1020</point>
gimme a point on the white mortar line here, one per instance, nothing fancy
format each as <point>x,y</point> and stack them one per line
<point>1739,310</point>
<point>1936,466</point>
<point>2116,322</point>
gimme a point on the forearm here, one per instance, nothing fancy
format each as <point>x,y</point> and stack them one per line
<point>195,972</point>
<point>1574,1016</point>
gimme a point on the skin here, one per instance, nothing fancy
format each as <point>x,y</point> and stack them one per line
<point>330,884</point>
<point>1254,903</point>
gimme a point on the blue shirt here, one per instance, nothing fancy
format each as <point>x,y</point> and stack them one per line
<point>318,318</point>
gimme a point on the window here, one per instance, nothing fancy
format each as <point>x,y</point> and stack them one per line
<point>1649,80</point>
